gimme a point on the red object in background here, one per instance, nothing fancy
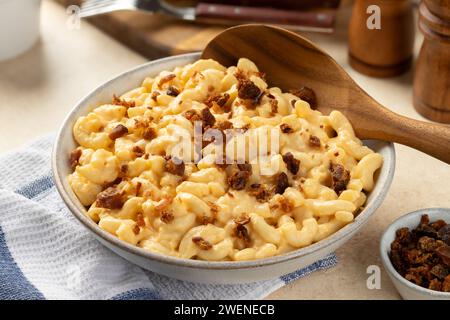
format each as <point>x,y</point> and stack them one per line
<point>281,4</point>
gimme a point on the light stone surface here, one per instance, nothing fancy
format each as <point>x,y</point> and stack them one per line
<point>39,88</point>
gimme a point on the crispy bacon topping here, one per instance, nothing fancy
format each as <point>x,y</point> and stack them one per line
<point>165,79</point>
<point>140,220</point>
<point>175,166</point>
<point>238,180</point>
<point>192,115</point>
<point>306,94</point>
<point>220,100</point>
<point>119,131</point>
<point>241,232</point>
<point>314,142</point>
<point>259,191</point>
<point>249,92</point>
<point>292,164</point>
<point>202,243</point>
<point>339,177</point>
<point>149,134</point>
<point>281,183</point>
<point>242,219</point>
<point>167,216</point>
<point>163,204</point>
<point>75,155</point>
<point>155,95</point>
<point>245,167</point>
<point>110,198</point>
<point>120,102</point>
<point>207,118</point>
<point>172,91</point>
<point>138,151</point>
<point>285,128</point>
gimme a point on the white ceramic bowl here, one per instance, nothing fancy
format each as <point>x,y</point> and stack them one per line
<point>195,270</point>
<point>19,26</point>
<point>407,289</point>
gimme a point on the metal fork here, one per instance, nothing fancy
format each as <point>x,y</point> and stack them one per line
<point>95,7</point>
<point>217,13</point>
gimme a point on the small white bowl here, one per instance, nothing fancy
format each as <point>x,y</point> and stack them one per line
<point>19,26</point>
<point>223,272</point>
<point>407,289</point>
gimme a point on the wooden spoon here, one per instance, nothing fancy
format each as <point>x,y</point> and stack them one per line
<point>291,61</point>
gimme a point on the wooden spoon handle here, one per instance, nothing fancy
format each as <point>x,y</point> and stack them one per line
<point>431,138</point>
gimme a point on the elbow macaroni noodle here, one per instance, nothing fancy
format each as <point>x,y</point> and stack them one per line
<point>200,212</point>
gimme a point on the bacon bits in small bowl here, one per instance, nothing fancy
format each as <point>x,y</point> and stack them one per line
<point>415,251</point>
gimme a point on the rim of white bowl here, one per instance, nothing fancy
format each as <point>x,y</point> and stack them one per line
<point>70,200</point>
<point>391,229</point>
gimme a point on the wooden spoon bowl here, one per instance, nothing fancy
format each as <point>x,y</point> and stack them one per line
<point>291,61</point>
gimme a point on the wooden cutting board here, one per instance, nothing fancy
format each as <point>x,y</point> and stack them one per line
<point>153,35</point>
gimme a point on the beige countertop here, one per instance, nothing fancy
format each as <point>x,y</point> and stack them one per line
<point>39,88</point>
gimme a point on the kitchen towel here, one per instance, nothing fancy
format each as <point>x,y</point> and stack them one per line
<point>45,253</point>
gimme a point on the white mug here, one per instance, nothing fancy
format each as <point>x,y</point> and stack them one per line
<point>19,26</point>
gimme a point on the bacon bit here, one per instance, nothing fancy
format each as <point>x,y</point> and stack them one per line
<point>238,180</point>
<point>260,192</point>
<point>146,156</point>
<point>339,177</point>
<point>230,194</point>
<point>245,167</point>
<point>285,128</point>
<point>207,118</point>
<point>286,205</point>
<point>293,101</point>
<point>211,88</point>
<point>274,106</point>
<point>110,198</point>
<point>271,96</point>
<point>75,155</point>
<point>120,102</point>
<point>165,79</point>
<point>224,125</point>
<point>138,151</point>
<point>155,95</point>
<point>241,232</point>
<point>242,219</point>
<point>248,90</point>
<point>149,134</point>
<point>175,166</point>
<point>192,115</point>
<point>281,183</point>
<point>140,220</point>
<point>202,243</point>
<point>136,229</point>
<point>292,164</point>
<point>163,204</point>
<point>138,188</point>
<point>124,168</point>
<point>167,216</point>
<point>119,131</point>
<point>306,94</point>
<point>172,91</point>
<point>220,100</point>
<point>336,154</point>
<point>314,142</point>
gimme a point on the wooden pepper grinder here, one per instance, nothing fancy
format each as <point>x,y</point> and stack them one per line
<point>432,74</point>
<point>384,49</point>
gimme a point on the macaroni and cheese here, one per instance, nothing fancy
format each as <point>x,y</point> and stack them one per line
<point>219,199</point>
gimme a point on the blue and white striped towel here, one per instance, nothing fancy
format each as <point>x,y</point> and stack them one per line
<point>46,254</point>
